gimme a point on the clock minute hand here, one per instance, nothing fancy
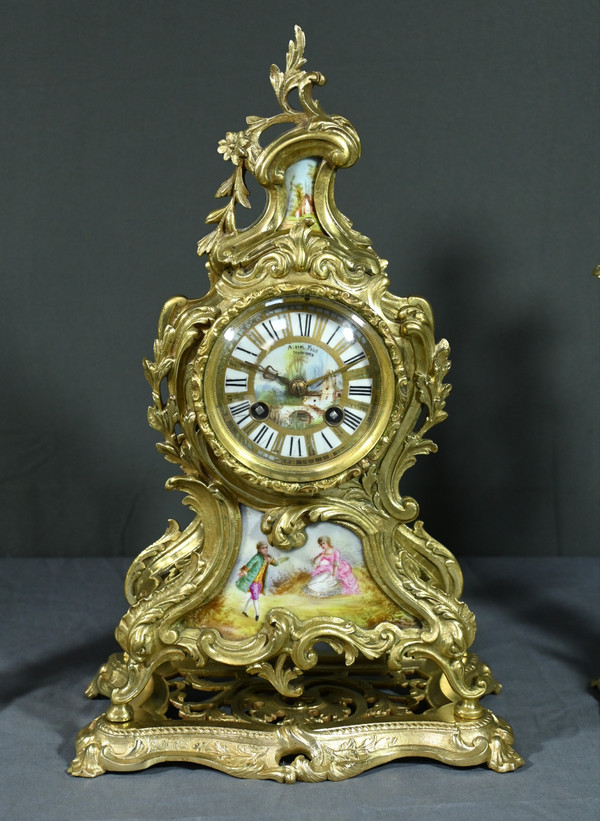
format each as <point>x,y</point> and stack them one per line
<point>330,373</point>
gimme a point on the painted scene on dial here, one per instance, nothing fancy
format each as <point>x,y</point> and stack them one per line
<point>319,391</point>
<point>326,577</point>
<point>300,361</point>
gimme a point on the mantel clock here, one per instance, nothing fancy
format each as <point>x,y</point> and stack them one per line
<point>304,625</point>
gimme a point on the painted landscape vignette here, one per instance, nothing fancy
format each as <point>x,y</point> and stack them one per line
<point>326,577</point>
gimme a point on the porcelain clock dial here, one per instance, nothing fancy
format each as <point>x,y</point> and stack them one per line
<point>298,388</point>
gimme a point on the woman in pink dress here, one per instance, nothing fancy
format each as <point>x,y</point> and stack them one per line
<point>332,575</point>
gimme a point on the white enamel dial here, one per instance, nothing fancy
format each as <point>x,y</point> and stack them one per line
<point>297,387</point>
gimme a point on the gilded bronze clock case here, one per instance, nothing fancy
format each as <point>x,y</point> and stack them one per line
<point>274,705</point>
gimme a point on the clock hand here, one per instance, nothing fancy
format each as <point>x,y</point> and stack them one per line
<point>330,373</point>
<point>271,374</point>
<point>268,372</point>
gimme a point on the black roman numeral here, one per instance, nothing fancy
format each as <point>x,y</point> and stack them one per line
<point>356,358</point>
<point>261,433</point>
<point>295,445</point>
<point>239,411</point>
<point>242,382</point>
<point>351,419</point>
<point>270,329</point>
<point>305,324</point>
<point>245,350</point>
<point>360,390</point>
<point>332,335</point>
<point>327,442</point>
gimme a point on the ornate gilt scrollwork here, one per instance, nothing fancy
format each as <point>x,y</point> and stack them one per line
<point>332,727</point>
<point>312,133</point>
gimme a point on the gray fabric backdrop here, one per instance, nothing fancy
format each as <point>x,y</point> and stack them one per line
<point>538,622</point>
<point>478,181</point>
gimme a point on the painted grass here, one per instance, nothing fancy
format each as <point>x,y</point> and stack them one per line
<point>367,609</point>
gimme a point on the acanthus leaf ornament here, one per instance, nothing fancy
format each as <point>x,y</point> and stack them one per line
<point>293,396</point>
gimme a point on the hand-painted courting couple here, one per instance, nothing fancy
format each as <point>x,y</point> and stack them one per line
<point>331,575</point>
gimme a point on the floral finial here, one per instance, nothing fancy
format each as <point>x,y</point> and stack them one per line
<point>234,147</point>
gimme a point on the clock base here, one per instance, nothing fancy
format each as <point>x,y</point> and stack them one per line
<point>346,721</point>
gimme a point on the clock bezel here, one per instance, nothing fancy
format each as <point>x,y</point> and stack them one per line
<point>310,477</point>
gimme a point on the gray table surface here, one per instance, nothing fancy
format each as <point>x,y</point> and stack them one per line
<point>538,627</point>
